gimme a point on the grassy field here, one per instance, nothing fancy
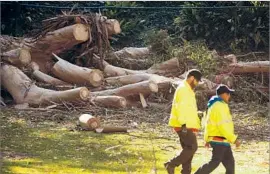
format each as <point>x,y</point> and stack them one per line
<point>30,146</point>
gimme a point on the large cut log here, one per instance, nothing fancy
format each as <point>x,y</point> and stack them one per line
<point>23,90</point>
<point>62,39</point>
<point>127,79</point>
<point>112,71</point>
<point>249,67</point>
<point>109,101</point>
<point>169,68</point>
<point>17,57</point>
<point>56,42</point>
<point>75,74</point>
<point>42,77</point>
<point>145,87</point>
<point>131,58</point>
<point>113,26</point>
<point>163,83</point>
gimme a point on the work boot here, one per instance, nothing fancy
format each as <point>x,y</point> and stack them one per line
<point>169,168</point>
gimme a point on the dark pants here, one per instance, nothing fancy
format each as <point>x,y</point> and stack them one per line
<point>189,145</point>
<point>220,154</point>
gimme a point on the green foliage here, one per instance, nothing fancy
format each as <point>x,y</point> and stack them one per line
<point>199,53</point>
<point>225,29</point>
<point>159,42</point>
<point>232,29</point>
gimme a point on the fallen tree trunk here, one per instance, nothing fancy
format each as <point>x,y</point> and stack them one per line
<point>56,42</point>
<point>42,77</point>
<point>17,57</point>
<point>112,71</point>
<point>76,75</point>
<point>127,79</point>
<point>145,87</point>
<point>169,68</point>
<point>61,39</point>
<point>249,67</point>
<point>131,52</point>
<point>109,101</point>
<point>113,27</point>
<point>23,90</point>
<point>131,58</point>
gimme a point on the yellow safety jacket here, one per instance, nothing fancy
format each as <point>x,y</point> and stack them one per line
<point>219,124</point>
<point>184,108</point>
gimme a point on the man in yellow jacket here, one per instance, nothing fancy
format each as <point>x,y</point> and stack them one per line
<point>219,132</point>
<point>185,121</point>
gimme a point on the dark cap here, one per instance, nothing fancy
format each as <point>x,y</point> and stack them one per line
<point>195,73</point>
<point>223,89</point>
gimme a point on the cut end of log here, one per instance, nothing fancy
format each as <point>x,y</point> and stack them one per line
<point>25,56</point>
<point>34,66</point>
<point>113,26</point>
<point>96,78</point>
<point>123,102</point>
<point>153,86</point>
<point>80,32</point>
<point>18,56</point>
<point>84,93</point>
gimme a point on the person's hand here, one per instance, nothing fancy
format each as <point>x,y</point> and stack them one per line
<point>207,145</point>
<point>184,129</point>
<point>237,143</point>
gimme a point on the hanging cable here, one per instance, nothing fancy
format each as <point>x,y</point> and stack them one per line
<point>147,8</point>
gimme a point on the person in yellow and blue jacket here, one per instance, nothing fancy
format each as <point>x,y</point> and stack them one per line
<point>219,132</point>
<point>185,122</point>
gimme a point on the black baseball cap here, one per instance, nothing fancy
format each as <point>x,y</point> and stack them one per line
<point>223,89</point>
<point>195,73</point>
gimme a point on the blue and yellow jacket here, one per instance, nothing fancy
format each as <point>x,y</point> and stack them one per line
<point>219,126</point>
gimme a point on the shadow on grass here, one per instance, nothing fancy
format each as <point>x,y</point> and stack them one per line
<point>56,149</point>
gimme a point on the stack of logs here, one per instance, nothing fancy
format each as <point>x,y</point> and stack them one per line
<point>110,87</point>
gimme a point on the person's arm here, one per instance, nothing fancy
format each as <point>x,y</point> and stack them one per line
<point>181,106</point>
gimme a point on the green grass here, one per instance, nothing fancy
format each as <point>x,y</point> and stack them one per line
<point>49,147</point>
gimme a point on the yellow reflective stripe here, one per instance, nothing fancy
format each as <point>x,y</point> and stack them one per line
<point>219,123</point>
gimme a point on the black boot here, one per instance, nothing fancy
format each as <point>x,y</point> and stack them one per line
<point>169,168</point>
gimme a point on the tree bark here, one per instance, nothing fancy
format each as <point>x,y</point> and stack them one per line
<point>109,101</point>
<point>164,83</point>
<point>127,79</point>
<point>42,77</point>
<point>75,74</point>
<point>23,90</point>
<point>169,68</point>
<point>112,71</point>
<point>62,39</point>
<point>249,67</point>
<point>131,52</point>
<point>145,87</point>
